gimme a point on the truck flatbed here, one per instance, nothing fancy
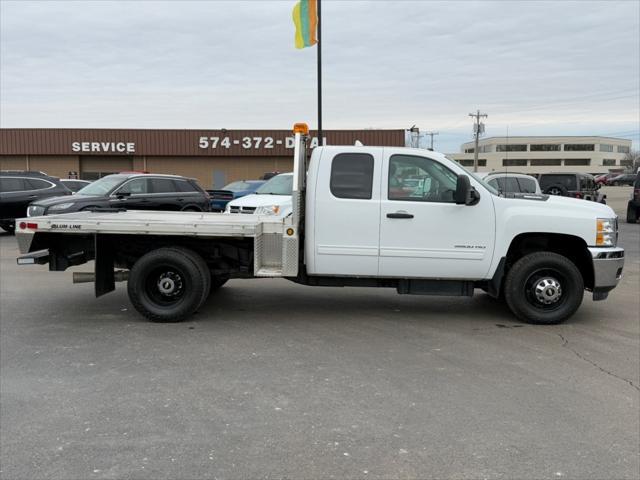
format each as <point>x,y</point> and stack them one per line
<point>136,222</point>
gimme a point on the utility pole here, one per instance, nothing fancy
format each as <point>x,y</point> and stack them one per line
<point>478,129</point>
<point>431,134</point>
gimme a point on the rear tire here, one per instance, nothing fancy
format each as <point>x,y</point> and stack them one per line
<point>204,271</point>
<point>543,288</point>
<point>632,215</point>
<point>167,285</point>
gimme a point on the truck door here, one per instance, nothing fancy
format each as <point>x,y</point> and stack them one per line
<point>347,212</point>
<point>423,233</point>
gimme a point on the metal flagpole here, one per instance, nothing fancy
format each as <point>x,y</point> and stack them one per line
<point>319,74</point>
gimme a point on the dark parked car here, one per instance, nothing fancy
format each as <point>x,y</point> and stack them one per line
<point>220,198</point>
<point>624,179</point>
<point>576,185</point>
<point>132,191</point>
<point>19,188</point>
<point>633,207</point>
<point>73,184</point>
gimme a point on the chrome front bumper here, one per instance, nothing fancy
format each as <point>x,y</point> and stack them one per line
<point>607,270</point>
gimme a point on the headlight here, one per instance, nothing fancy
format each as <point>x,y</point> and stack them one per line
<point>268,210</point>
<point>61,206</point>
<point>606,232</point>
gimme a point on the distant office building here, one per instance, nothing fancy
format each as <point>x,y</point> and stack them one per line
<point>546,154</point>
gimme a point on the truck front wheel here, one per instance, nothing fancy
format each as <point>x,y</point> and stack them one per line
<point>543,288</point>
<point>167,285</point>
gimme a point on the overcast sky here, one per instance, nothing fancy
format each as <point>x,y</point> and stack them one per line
<point>537,68</point>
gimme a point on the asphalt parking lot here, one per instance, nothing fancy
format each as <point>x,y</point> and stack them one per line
<point>273,379</point>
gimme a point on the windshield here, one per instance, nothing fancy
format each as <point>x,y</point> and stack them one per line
<point>278,185</point>
<point>238,186</point>
<point>102,186</point>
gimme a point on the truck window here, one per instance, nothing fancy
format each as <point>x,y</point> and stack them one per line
<point>352,175</point>
<point>420,179</point>
<point>527,185</point>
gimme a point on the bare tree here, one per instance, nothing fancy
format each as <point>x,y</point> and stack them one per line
<point>631,160</point>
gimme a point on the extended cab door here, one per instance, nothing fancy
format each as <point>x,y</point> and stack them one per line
<point>423,233</point>
<point>346,212</point>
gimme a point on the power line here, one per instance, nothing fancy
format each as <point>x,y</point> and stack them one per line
<point>431,134</point>
<point>478,129</point>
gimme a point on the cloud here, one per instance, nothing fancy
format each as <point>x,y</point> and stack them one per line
<point>537,67</point>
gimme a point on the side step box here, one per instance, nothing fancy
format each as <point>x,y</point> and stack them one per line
<point>452,288</point>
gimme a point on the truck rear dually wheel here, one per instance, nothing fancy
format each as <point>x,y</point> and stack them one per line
<point>544,288</point>
<point>168,284</point>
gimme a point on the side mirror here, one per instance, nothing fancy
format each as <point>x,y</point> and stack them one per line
<point>465,193</point>
<point>121,195</point>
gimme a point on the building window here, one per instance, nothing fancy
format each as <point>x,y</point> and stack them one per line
<point>543,162</point>
<point>485,148</point>
<point>623,149</point>
<point>604,147</point>
<point>511,148</point>
<point>579,147</point>
<point>469,150</point>
<point>352,175</point>
<point>626,162</point>
<point>469,163</point>
<point>544,148</point>
<point>514,162</point>
<point>609,162</point>
<point>577,161</point>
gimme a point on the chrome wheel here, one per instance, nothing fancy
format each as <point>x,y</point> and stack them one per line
<point>170,284</point>
<point>543,289</point>
<point>548,290</point>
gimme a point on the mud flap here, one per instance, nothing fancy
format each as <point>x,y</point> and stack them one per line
<point>104,267</point>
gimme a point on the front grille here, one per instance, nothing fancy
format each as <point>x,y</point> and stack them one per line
<point>236,209</point>
<point>35,211</point>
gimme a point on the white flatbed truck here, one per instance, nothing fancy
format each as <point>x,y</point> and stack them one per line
<point>402,218</point>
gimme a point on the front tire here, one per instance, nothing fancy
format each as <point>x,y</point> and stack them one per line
<point>632,215</point>
<point>167,285</point>
<point>544,288</point>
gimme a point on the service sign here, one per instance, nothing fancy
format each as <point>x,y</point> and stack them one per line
<point>103,147</point>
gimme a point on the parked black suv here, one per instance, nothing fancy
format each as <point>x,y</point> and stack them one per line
<point>19,188</point>
<point>131,191</point>
<point>576,185</point>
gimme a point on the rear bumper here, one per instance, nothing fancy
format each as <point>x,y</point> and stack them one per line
<point>608,264</point>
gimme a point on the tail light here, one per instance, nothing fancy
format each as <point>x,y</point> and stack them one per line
<point>28,225</point>
<point>578,195</point>
<point>636,193</point>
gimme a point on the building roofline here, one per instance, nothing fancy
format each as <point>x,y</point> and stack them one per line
<point>548,136</point>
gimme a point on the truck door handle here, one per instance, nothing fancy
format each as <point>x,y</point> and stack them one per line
<point>399,215</point>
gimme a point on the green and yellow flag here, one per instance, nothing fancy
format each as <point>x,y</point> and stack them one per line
<point>305,17</point>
